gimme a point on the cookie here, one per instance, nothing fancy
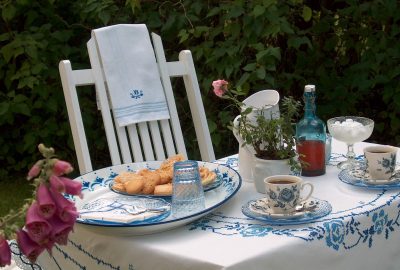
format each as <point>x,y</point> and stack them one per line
<point>165,175</point>
<point>207,176</point>
<point>165,189</point>
<point>119,187</point>
<point>135,186</point>
<point>124,177</point>
<point>148,187</point>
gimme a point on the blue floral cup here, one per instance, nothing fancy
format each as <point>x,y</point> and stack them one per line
<point>380,161</point>
<point>284,193</point>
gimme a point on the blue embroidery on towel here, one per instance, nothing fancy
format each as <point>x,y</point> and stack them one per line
<point>136,94</point>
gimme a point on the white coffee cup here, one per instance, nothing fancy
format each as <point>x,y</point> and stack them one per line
<point>381,161</point>
<point>283,193</point>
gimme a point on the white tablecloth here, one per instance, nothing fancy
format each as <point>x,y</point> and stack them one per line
<point>362,232</point>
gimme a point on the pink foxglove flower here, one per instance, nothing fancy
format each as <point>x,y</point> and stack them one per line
<point>5,252</point>
<point>37,227</point>
<point>35,170</point>
<point>72,187</point>
<point>60,230</point>
<point>66,209</point>
<point>62,167</point>
<point>56,184</point>
<point>47,206</point>
<point>220,87</point>
<point>28,247</point>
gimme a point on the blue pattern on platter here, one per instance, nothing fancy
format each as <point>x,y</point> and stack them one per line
<point>358,177</point>
<point>216,183</point>
<point>111,204</point>
<point>96,184</point>
<point>320,208</point>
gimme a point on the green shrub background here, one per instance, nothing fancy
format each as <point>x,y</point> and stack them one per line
<point>349,49</point>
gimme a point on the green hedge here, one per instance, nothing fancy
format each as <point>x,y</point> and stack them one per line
<point>349,49</point>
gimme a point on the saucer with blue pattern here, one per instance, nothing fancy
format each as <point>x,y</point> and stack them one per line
<point>309,211</point>
<point>360,178</point>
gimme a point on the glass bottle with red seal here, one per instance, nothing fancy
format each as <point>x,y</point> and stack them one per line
<point>311,137</point>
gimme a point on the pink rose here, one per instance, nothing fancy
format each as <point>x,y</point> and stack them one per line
<point>72,187</point>
<point>35,170</point>
<point>56,184</point>
<point>220,87</point>
<point>47,206</point>
<point>62,167</point>
<point>37,227</point>
<point>28,247</point>
<point>5,252</point>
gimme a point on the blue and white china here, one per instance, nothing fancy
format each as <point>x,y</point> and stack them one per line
<point>216,183</point>
<point>360,178</point>
<point>311,210</point>
<point>380,161</point>
<point>113,210</point>
<point>96,185</point>
<point>285,192</point>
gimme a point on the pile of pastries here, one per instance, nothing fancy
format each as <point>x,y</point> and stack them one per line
<point>155,182</point>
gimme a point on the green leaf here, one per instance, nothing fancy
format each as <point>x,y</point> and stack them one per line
<point>258,10</point>
<point>214,11</point>
<point>4,106</point>
<point>20,98</point>
<point>307,13</point>
<point>183,35</point>
<point>247,110</point>
<point>8,12</point>
<point>21,108</point>
<point>296,42</point>
<point>261,73</point>
<point>250,67</point>
<point>104,17</point>
<point>243,79</point>
<point>212,126</point>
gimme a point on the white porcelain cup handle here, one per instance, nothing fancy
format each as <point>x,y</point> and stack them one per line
<point>309,193</point>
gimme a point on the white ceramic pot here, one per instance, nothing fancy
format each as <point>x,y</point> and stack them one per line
<point>265,167</point>
<point>268,101</point>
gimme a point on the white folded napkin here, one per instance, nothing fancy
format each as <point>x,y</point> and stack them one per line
<point>131,73</point>
<point>117,217</point>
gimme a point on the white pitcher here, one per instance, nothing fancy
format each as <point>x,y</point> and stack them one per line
<point>267,103</point>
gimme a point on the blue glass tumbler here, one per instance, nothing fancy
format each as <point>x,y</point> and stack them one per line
<point>187,190</point>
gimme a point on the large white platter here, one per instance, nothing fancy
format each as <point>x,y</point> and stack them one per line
<point>96,183</point>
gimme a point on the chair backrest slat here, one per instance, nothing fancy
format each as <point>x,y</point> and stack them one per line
<point>103,102</point>
<point>196,106</point>
<point>123,144</point>
<point>154,140</point>
<point>146,143</point>
<point>167,135</point>
<point>166,81</point>
<point>74,112</point>
<point>134,141</point>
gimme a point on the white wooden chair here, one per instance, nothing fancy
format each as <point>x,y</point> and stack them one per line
<point>155,140</point>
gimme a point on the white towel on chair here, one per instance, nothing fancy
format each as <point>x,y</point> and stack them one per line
<point>131,73</point>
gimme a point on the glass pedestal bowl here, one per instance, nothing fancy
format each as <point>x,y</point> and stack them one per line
<point>350,129</point>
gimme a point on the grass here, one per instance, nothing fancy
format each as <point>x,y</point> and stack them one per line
<point>13,193</point>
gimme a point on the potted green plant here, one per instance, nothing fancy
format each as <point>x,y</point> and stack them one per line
<point>269,135</point>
